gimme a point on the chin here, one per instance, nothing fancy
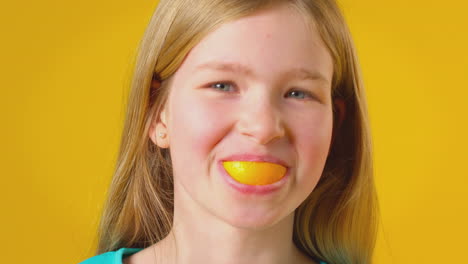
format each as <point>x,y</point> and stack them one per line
<point>252,219</point>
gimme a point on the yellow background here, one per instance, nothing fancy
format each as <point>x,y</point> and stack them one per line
<point>65,69</point>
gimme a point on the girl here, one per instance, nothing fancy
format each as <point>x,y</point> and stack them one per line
<point>246,140</point>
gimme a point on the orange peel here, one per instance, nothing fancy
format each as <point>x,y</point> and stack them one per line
<point>255,173</point>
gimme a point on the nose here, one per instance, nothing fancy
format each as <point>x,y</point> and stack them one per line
<point>261,121</point>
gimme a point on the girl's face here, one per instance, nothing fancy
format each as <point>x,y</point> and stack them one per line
<point>260,85</point>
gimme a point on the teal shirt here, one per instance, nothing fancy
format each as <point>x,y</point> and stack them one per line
<point>115,257</point>
<point>112,257</point>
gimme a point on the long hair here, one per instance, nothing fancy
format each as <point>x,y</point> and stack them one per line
<point>336,223</point>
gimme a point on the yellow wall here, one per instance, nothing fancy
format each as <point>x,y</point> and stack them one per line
<point>65,67</point>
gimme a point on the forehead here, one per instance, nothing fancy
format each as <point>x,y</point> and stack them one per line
<point>266,44</point>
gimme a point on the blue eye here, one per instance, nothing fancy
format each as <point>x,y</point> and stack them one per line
<point>230,87</point>
<point>300,94</point>
<point>223,86</point>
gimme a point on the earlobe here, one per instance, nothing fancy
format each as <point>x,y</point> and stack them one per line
<point>158,131</point>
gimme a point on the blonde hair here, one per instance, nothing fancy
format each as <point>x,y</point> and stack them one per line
<point>336,223</point>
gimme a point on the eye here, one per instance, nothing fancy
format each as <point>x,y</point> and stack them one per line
<point>230,87</point>
<point>223,86</point>
<point>300,94</point>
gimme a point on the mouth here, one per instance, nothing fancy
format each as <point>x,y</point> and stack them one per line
<point>257,158</point>
<point>254,174</point>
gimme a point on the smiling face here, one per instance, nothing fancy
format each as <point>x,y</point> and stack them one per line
<point>257,86</point>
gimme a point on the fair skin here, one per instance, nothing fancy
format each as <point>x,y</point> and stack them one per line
<point>261,85</point>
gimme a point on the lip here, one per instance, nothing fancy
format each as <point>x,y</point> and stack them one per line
<point>253,189</point>
<point>253,157</point>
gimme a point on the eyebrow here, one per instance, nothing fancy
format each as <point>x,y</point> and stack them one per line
<point>299,72</point>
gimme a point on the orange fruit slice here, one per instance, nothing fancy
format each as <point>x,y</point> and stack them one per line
<point>255,173</point>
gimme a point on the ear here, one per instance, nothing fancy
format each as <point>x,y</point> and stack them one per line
<point>158,130</point>
<point>338,116</point>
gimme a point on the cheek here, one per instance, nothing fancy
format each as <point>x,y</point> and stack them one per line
<point>312,145</point>
<point>197,125</point>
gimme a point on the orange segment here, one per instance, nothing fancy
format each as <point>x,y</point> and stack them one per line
<point>255,173</point>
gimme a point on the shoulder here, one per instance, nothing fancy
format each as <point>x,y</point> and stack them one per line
<point>111,257</point>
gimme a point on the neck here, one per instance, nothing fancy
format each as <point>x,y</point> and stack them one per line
<point>229,245</point>
<point>200,237</point>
